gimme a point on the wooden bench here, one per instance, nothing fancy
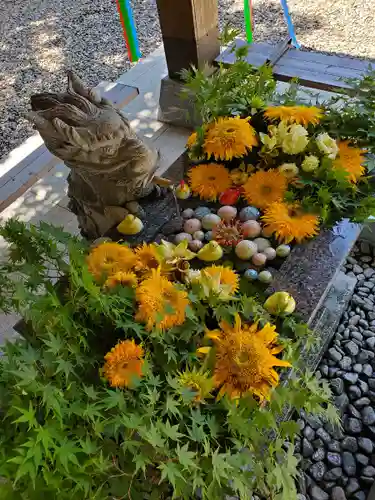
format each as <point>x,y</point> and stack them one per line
<point>313,69</point>
<point>16,179</point>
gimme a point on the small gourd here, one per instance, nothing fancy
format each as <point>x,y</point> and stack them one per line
<point>251,229</point>
<point>259,259</point>
<point>283,251</point>
<point>249,213</point>
<point>192,225</point>
<point>227,213</point>
<point>265,277</point>
<point>200,212</point>
<point>251,274</point>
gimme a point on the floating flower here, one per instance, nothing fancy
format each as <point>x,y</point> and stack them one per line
<point>229,138</point>
<point>228,233</point>
<point>290,170</point>
<point>295,140</point>
<point>245,359</point>
<point>327,145</point>
<point>265,187</point>
<point>109,258</point>
<point>302,115</point>
<point>350,160</point>
<point>200,383</point>
<point>123,364</point>
<point>208,181</point>
<point>161,303</point>
<point>310,163</point>
<point>220,281</point>
<point>290,222</point>
<point>123,278</point>
<point>147,258</point>
<point>192,140</point>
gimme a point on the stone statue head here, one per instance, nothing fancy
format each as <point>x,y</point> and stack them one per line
<point>88,133</point>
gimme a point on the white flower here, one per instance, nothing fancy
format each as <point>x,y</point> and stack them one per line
<point>290,170</point>
<point>310,163</point>
<point>270,142</point>
<point>327,145</point>
<point>295,139</point>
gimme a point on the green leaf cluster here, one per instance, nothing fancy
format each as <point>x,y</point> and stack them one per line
<point>65,434</point>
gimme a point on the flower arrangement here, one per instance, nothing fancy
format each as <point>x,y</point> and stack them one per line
<point>140,377</point>
<point>287,165</point>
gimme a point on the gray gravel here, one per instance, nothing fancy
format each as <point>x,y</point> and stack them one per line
<point>39,39</point>
<point>341,463</point>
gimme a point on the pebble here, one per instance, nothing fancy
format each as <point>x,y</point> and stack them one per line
<point>366,445</point>
<point>317,493</point>
<point>368,415</point>
<point>349,464</point>
<point>349,443</point>
<point>367,370</point>
<point>362,459</point>
<point>345,363</point>
<point>352,486</point>
<point>351,348</point>
<point>338,494</point>
<point>354,392</point>
<point>353,425</point>
<point>337,386</point>
<point>319,455</point>
<point>334,354</point>
<point>368,471</point>
<point>323,435</point>
<point>334,459</point>
<point>334,446</point>
<point>317,471</point>
<point>333,474</point>
<point>307,448</point>
<point>351,377</point>
<point>360,403</point>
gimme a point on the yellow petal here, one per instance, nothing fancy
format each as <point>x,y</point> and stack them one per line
<point>204,350</point>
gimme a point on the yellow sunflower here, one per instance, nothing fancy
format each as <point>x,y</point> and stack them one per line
<point>160,303</point>
<point>350,160</point>
<point>124,278</point>
<point>109,258</point>
<point>223,279</point>
<point>229,138</point>
<point>245,359</point>
<point>265,187</point>
<point>192,140</point>
<point>123,363</point>
<point>208,181</point>
<point>290,222</point>
<point>200,383</point>
<point>147,258</point>
<point>303,115</point>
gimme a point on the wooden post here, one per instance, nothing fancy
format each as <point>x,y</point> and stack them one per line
<point>190,33</point>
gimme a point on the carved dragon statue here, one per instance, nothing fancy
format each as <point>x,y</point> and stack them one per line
<point>110,165</point>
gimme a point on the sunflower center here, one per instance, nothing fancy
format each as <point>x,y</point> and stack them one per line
<point>230,130</point>
<point>212,178</point>
<point>266,190</point>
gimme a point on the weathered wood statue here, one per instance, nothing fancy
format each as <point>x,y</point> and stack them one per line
<point>110,165</point>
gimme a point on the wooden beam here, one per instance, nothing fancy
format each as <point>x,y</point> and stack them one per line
<point>190,33</point>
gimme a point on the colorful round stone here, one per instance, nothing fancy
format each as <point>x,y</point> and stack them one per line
<point>283,251</point>
<point>265,277</point>
<point>249,213</point>
<point>208,236</point>
<point>195,245</point>
<point>251,274</point>
<point>209,221</point>
<point>270,253</point>
<point>245,249</point>
<point>181,237</point>
<point>227,212</point>
<point>200,212</point>
<point>198,235</point>
<point>192,225</point>
<point>259,259</point>
<point>262,244</point>
<point>188,213</point>
<point>251,229</point>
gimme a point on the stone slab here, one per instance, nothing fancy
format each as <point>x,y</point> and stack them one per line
<point>311,268</point>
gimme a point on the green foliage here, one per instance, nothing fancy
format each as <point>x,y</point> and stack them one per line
<point>64,434</point>
<point>229,89</point>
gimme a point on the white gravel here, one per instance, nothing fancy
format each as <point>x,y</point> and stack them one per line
<point>39,39</point>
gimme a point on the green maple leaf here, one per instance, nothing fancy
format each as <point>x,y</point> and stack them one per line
<point>170,431</point>
<point>186,457</point>
<point>171,472</point>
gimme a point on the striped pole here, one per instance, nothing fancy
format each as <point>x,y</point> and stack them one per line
<point>128,28</point>
<point>248,14</point>
<point>289,22</point>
